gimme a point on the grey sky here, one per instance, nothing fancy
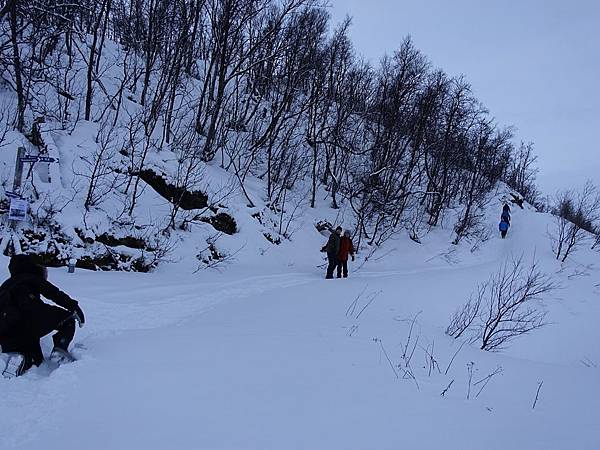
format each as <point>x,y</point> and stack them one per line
<point>535,64</point>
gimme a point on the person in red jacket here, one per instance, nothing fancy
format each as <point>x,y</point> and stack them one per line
<point>346,249</point>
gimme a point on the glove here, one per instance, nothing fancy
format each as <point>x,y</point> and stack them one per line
<point>79,316</point>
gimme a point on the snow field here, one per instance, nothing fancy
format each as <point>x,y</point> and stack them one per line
<point>265,354</point>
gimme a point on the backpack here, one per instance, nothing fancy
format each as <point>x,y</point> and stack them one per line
<point>10,313</point>
<point>503,226</point>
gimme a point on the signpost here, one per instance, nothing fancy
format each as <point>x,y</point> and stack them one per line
<point>18,169</point>
<point>10,194</point>
<point>18,210</point>
<point>15,210</point>
<point>18,205</point>
<point>34,158</point>
<point>29,159</point>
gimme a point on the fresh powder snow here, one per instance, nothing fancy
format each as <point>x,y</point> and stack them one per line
<point>266,354</point>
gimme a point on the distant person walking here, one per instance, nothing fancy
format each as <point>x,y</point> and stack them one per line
<point>505,216</point>
<point>346,249</point>
<point>504,220</point>
<point>333,249</point>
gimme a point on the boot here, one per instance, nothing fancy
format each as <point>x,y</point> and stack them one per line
<point>61,356</point>
<point>16,365</point>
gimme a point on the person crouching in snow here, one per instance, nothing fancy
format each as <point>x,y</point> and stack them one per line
<point>503,228</point>
<point>25,318</point>
<point>333,249</point>
<point>346,249</point>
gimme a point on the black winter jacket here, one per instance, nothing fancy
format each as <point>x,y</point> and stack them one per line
<point>20,295</point>
<point>27,283</point>
<point>26,291</point>
<point>333,244</point>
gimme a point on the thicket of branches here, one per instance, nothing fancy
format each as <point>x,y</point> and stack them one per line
<point>577,219</point>
<point>504,307</point>
<point>270,90</point>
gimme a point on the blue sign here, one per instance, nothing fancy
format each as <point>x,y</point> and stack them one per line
<point>47,159</point>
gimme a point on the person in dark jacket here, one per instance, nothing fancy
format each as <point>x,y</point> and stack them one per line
<point>346,249</point>
<point>333,249</point>
<point>25,318</point>
<point>503,227</point>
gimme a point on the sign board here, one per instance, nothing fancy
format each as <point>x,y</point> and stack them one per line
<point>10,194</point>
<point>18,209</point>
<point>35,158</point>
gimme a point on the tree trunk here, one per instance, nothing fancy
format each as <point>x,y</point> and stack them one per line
<point>20,122</point>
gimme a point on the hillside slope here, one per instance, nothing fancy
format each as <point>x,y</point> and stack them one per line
<point>269,355</point>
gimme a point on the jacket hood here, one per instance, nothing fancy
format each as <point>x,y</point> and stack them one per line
<point>24,265</point>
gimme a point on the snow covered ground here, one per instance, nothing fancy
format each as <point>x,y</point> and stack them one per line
<point>266,354</point>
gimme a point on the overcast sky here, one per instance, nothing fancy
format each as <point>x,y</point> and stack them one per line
<point>535,64</point>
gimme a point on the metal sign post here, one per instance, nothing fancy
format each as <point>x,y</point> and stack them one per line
<point>18,177</point>
<point>18,205</point>
<point>18,169</point>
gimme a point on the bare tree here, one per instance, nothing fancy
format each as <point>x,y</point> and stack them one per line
<point>504,307</point>
<point>468,314</point>
<point>12,7</point>
<point>577,218</point>
<point>94,54</point>
<point>522,172</point>
<point>100,165</point>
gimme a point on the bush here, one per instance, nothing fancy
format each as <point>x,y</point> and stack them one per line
<point>504,307</point>
<point>577,215</point>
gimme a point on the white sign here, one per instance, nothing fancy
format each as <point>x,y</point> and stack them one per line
<point>10,194</point>
<point>18,209</point>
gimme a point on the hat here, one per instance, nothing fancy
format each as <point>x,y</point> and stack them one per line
<point>24,264</point>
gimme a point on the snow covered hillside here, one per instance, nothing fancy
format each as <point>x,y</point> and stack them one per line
<point>142,142</point>
<point>269,355</point>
